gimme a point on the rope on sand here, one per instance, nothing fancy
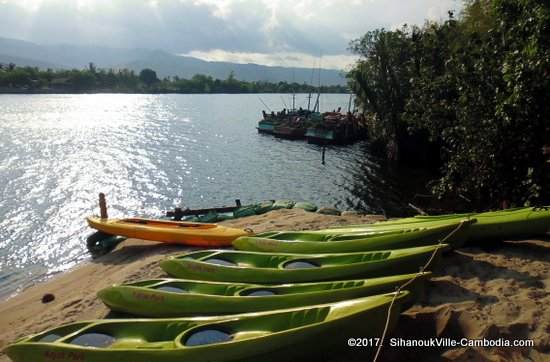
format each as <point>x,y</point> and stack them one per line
<point>442,241</point>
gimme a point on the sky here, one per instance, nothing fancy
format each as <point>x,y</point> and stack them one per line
<point>270,32</point>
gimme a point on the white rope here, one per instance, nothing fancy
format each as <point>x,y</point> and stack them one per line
<point>398,290</point>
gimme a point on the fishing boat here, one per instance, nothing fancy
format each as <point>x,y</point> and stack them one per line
<point>177,232</point>
<point>334,128</point>
<point>290,130</point>
<point>268,122</point>
<point>267,268</point>
<point>310,332</point>
<point>323,136</point>
<point>180,297</point>
<point>271,122</point>
<point>293,125</point>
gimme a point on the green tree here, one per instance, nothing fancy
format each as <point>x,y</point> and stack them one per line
<point>83,80</point>
<point>380,79</point>
<point>148,76</point>
<point>493,114</point>
<point>479,86</point>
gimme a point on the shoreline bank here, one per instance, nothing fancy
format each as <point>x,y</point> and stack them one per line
<point>113,91</point>
<point>501,290</point>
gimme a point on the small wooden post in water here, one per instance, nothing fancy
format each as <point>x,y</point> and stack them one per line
<point>323,156</point>
<point>102,206</point>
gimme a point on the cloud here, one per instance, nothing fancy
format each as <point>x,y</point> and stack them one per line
<point>234,27</point>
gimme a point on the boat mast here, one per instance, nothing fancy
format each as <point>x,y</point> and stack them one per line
<point>293,92</point>
<point>317,105</point>
<point>311,83</point>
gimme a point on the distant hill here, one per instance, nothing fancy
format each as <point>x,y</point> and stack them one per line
<point>25,62</point>
<point>165,64</point>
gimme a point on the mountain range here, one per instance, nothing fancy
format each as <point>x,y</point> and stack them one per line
<point>66,56</point>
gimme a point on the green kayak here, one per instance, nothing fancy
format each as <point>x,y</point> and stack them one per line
<point>178,297</point>
<point>510,224</point>
<point>407,237</point>
<point>362,232</point>
<point>503,224</point>
<point>271,268</point>
<point>442,218</point>
<point>310,332</point>
<point>418,219</point>
<point>513,212</point>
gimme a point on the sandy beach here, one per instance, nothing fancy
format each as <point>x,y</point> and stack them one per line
<point>500,290</point>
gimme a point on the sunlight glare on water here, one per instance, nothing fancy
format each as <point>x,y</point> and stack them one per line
<point>148,154</point>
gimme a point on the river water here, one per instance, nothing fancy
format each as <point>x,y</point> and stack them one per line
<point>148,154</point>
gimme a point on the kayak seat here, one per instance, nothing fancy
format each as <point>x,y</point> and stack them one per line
<point>257,292</point>
<point>300,264</point>
<point>207,336</point>
<point>100,340</point>
<point>49,338</point>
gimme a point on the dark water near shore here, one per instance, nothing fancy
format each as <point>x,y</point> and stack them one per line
<point>150,153</point>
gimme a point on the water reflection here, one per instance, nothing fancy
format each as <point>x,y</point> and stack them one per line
<point>381,187</point>
<point>150,153</point>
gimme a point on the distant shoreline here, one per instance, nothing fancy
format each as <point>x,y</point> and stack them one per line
<point>45,91</point>
<point>28,80</point>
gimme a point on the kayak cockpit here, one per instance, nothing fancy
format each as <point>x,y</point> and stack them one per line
<point>166,223</point>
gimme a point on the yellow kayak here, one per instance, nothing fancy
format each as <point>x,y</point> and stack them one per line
<point>178,232</point>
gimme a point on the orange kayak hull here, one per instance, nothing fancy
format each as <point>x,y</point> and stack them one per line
<point>176,232</point>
